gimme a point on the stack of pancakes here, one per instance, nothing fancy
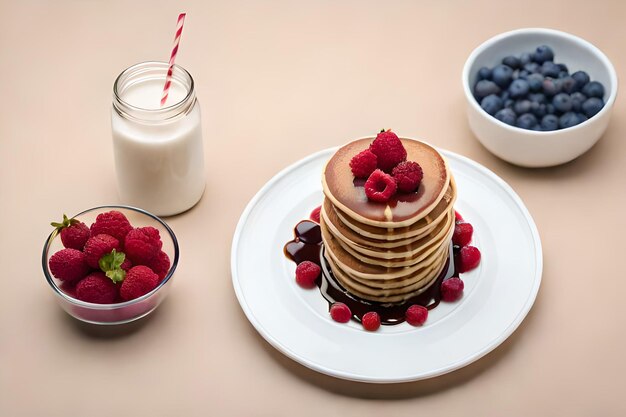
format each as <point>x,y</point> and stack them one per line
<point>387,252</point>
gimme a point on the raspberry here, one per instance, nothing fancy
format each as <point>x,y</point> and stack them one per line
<point>160,264</point>
<point>408,176</point>
<point>416,315</point>
<point>69,288</point>
<point>96,288</point>
<point>68,265</point>
<point>380,187</point>
<point>139,280</point>
<point>75,236</point>
<point>457,216</point>
<point>98,246</point>
<point>73,233</point>
<point>363,164</point>
<point>340,312</point>
<point>306,274</point>
<point>142,245</point>
<point>452,289</point>
<point>462,234</point>
<point>388,149</point>
<point>315,214</point>
<point>467,259</point>
<point>112,223</point>
<point>371,321</point>
<point>126,265</point>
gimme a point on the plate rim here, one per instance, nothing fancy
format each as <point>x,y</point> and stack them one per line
<point>489,347</point>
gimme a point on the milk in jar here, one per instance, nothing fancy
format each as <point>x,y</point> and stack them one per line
<point>159,156</point>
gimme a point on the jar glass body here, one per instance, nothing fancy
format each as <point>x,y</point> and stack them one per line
<point>159,152</point>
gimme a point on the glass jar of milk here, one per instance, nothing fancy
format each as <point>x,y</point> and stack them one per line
<point>159,157</point>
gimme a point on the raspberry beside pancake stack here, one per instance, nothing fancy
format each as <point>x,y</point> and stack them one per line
<point>387,252</point>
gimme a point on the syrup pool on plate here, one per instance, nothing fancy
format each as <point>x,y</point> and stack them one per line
<point>307,246</point>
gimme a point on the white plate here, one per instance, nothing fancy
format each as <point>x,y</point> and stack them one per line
<point>498,294</point>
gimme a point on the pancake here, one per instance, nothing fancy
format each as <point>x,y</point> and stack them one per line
<point>397,283</point>
<point>416,229</point>
<point>387,252</point>
<point>390,295</point>
<point>405,252</point>
<point>391,260</point>
<point>364,234</point>
<point>369,271</point>
<point>402,210</point>
<point>339,227</point>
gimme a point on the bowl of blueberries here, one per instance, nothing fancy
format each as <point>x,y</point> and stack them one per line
<point>538,97</point>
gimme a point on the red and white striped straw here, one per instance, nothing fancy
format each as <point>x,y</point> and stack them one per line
<point>168,79</point>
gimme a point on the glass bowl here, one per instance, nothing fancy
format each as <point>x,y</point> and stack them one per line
<point>123,312</point>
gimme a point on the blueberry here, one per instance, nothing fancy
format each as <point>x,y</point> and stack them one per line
<point>551,87</point>
<point>578,99</point>
<point>525,58</point>
<point>484,88</point>
<point>535,82</point>
<point>532,67</point>
<point>582,117</point>
<point>512,61</point>
<point>522,106</point>
<point>562,102</point>
<point>542,54</point>
<point>593,89</point>
<point>581,78</point>
<point>504,95</point>
<point>592,106</point>
<point>502,75</point>
<point>539,110</point>
<point>509,103</point>
<point>550,69</point>
<point>491,104</point>
<point>550,122</point>
<point>484,74</point>
<point>507,116</point>
<point>563,68</point>
<point>538,98</point>
<point>518,88</point>
<point>563,74</point>
<point>550,108</point>
<point>568,85</point>
<point>526,121</point>
<point>523,74</point>
<point>568,119</point>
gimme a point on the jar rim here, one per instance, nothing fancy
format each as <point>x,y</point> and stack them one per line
<point>174,110</point>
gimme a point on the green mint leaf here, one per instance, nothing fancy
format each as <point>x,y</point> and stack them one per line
<point>105,262</point>
<point>111,261</point>
<point>116,275</point>
<point>118,258</point>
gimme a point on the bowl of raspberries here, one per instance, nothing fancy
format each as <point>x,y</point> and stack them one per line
<point>538,97</point>
<point>110,264</point>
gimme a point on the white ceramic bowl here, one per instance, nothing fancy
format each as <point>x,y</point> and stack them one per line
<point>534,148</point>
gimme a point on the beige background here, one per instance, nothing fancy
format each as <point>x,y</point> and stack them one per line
<point>278,81</point>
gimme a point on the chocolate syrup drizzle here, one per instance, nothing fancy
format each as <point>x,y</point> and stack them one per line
<point>307,245</point>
